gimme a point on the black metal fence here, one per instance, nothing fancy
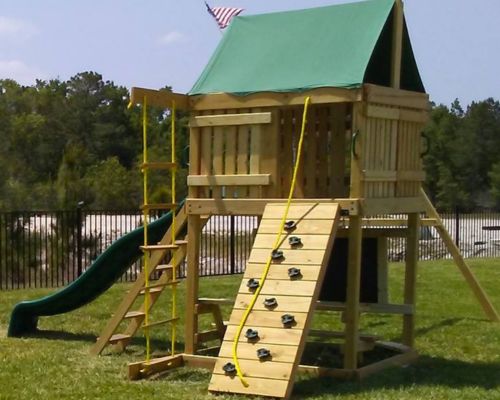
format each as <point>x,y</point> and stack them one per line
<point>49,249</point>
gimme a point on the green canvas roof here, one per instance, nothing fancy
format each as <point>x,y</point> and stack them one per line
<point>340,46</point>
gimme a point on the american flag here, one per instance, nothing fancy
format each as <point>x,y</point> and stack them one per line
<point>223,15</point>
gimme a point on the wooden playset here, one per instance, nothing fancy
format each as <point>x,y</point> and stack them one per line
<point>352,163</point>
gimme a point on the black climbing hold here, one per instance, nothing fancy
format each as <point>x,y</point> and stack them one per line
<point>294,241</point>
<point>277,255</point>
<point>287,319</point>
<point>270,302</point>
<point>344,213</point>
<point>263,353</point>
<point>229,368</point>
<point>251,334</point>
<point>253,283</point>
<point>294,272</point>
<point>290,225</point>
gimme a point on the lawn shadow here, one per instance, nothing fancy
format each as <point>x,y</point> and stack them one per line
<point>433,371</point>
<point>52,334</point>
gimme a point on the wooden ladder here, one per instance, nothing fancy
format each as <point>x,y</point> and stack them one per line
<point>285,293</point>
<point>136,317</point>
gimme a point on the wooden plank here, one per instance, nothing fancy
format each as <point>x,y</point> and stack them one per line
<point>256,206</point>
<point>351,315</point>
<point>286,303</point>
<point>282,287</point>
<point>248,351</point>
<point>217,159</point>
<point>230,155</point>
<point>255,155</point>
<point>322,155</point>
<point>309,242</point>
<point>310,154</point>
<point>192,284</point>
<point>302,212</point>
<point>396,114</point>
<point>256,386</point>
<point>467,273</point>
<point>230,119</point>
<point>269,161</point>
<point>395,97</point>
<point>286,161</point>
<point>280,271</point>
<point>206,135</point>
<point>266,319</point>
<point>141,369</point>
<point>338,150</point>
<point>194,157</point>
<point>410,285</point>
<point>359,127</point>
<point>273,99</point>
<point>228,180</point>
<point>398,360</point>
<point>397,44</point>
<point>243,158</point>
<point>290,337</point>
<point>159,98</point>
<point>395,205</point>
<point>257,369</point>
<point>303,227</point>
<point>291,257</point>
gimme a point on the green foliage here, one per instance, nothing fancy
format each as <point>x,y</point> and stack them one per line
<point>57,136</point>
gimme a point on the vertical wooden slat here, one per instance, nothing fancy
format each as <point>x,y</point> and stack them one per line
<point>230,154</point>
<point>338,150</point>
<point>410,286</point>
<point>255,156</point>
<point>218,156</point>
<point>297,127</point>
<point>242,166</point>
<point>322,154</point>
<point>287,151</point>
<point>359,123</point>
<point>310,162</point>
<point>206,154</point>
<point>393,154</point>
<point>194,157</point>
<point>269,163</point>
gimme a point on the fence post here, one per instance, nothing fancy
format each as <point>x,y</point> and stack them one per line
<point>457,227</point>
<point>79,227</point>
<point>232,247</point>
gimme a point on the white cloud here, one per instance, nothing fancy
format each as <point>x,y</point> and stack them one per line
<point>16,28</point>
<point>19,71</point>
<point>171,37</point>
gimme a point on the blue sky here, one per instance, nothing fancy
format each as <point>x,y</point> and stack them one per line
<point>154,43</point>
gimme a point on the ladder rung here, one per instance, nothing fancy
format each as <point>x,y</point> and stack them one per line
<point>118,337</point>
<point>158,165</point>
<point>159,286</point>
<point>157,247</point>
<point>134,314</point>
<point>181,242</point>
<point>165,321</point>
<point>164,267</point>
<point>159,206</point>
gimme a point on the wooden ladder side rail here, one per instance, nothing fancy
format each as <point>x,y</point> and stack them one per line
<point>467,273</point>
<point>135,323</point>
<point>135,290</point>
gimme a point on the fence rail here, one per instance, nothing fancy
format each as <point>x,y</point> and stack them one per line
<point>50,249</point>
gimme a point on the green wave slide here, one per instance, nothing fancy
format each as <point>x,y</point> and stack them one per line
<point>98,278</point>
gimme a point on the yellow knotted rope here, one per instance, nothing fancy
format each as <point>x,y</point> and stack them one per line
<point>275,246</point>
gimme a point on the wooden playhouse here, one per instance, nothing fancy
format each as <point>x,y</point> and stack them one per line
<point>360,164</point>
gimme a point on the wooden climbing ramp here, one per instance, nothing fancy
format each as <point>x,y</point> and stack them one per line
<point>274,335</point>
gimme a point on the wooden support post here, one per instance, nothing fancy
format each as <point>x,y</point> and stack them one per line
<point>467,273</point>
<point>411,277</point>
<point>193,258</point>
<point>397,41</point>
<point>352,296</point>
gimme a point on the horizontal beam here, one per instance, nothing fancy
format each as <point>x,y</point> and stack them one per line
<point>272,99</point>
<point>230,119</point>
<point>255,206</point>
<point>393,176</point>
<point>159,98</point>
<point>395,97</point>
<point>375,308</point>
<point>398,114</point>
<point>229,180</point>
<point>393,205</point>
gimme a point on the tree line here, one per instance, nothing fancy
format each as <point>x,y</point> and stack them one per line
<point>63,142</point>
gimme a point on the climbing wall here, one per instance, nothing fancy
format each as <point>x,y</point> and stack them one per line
<point>276,330</point>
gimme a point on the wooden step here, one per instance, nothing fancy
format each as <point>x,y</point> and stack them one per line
<point>159,206</point>
<point>134,314</point>
<point>162,322</point>
<point>118,337</point>
<point>159,286</point>
<point>158,165</point>
<point>164,267</point>
<point>159,247</point>
<point>181,242</point>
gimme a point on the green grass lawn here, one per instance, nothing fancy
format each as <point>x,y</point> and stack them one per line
<point>460,349</point>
